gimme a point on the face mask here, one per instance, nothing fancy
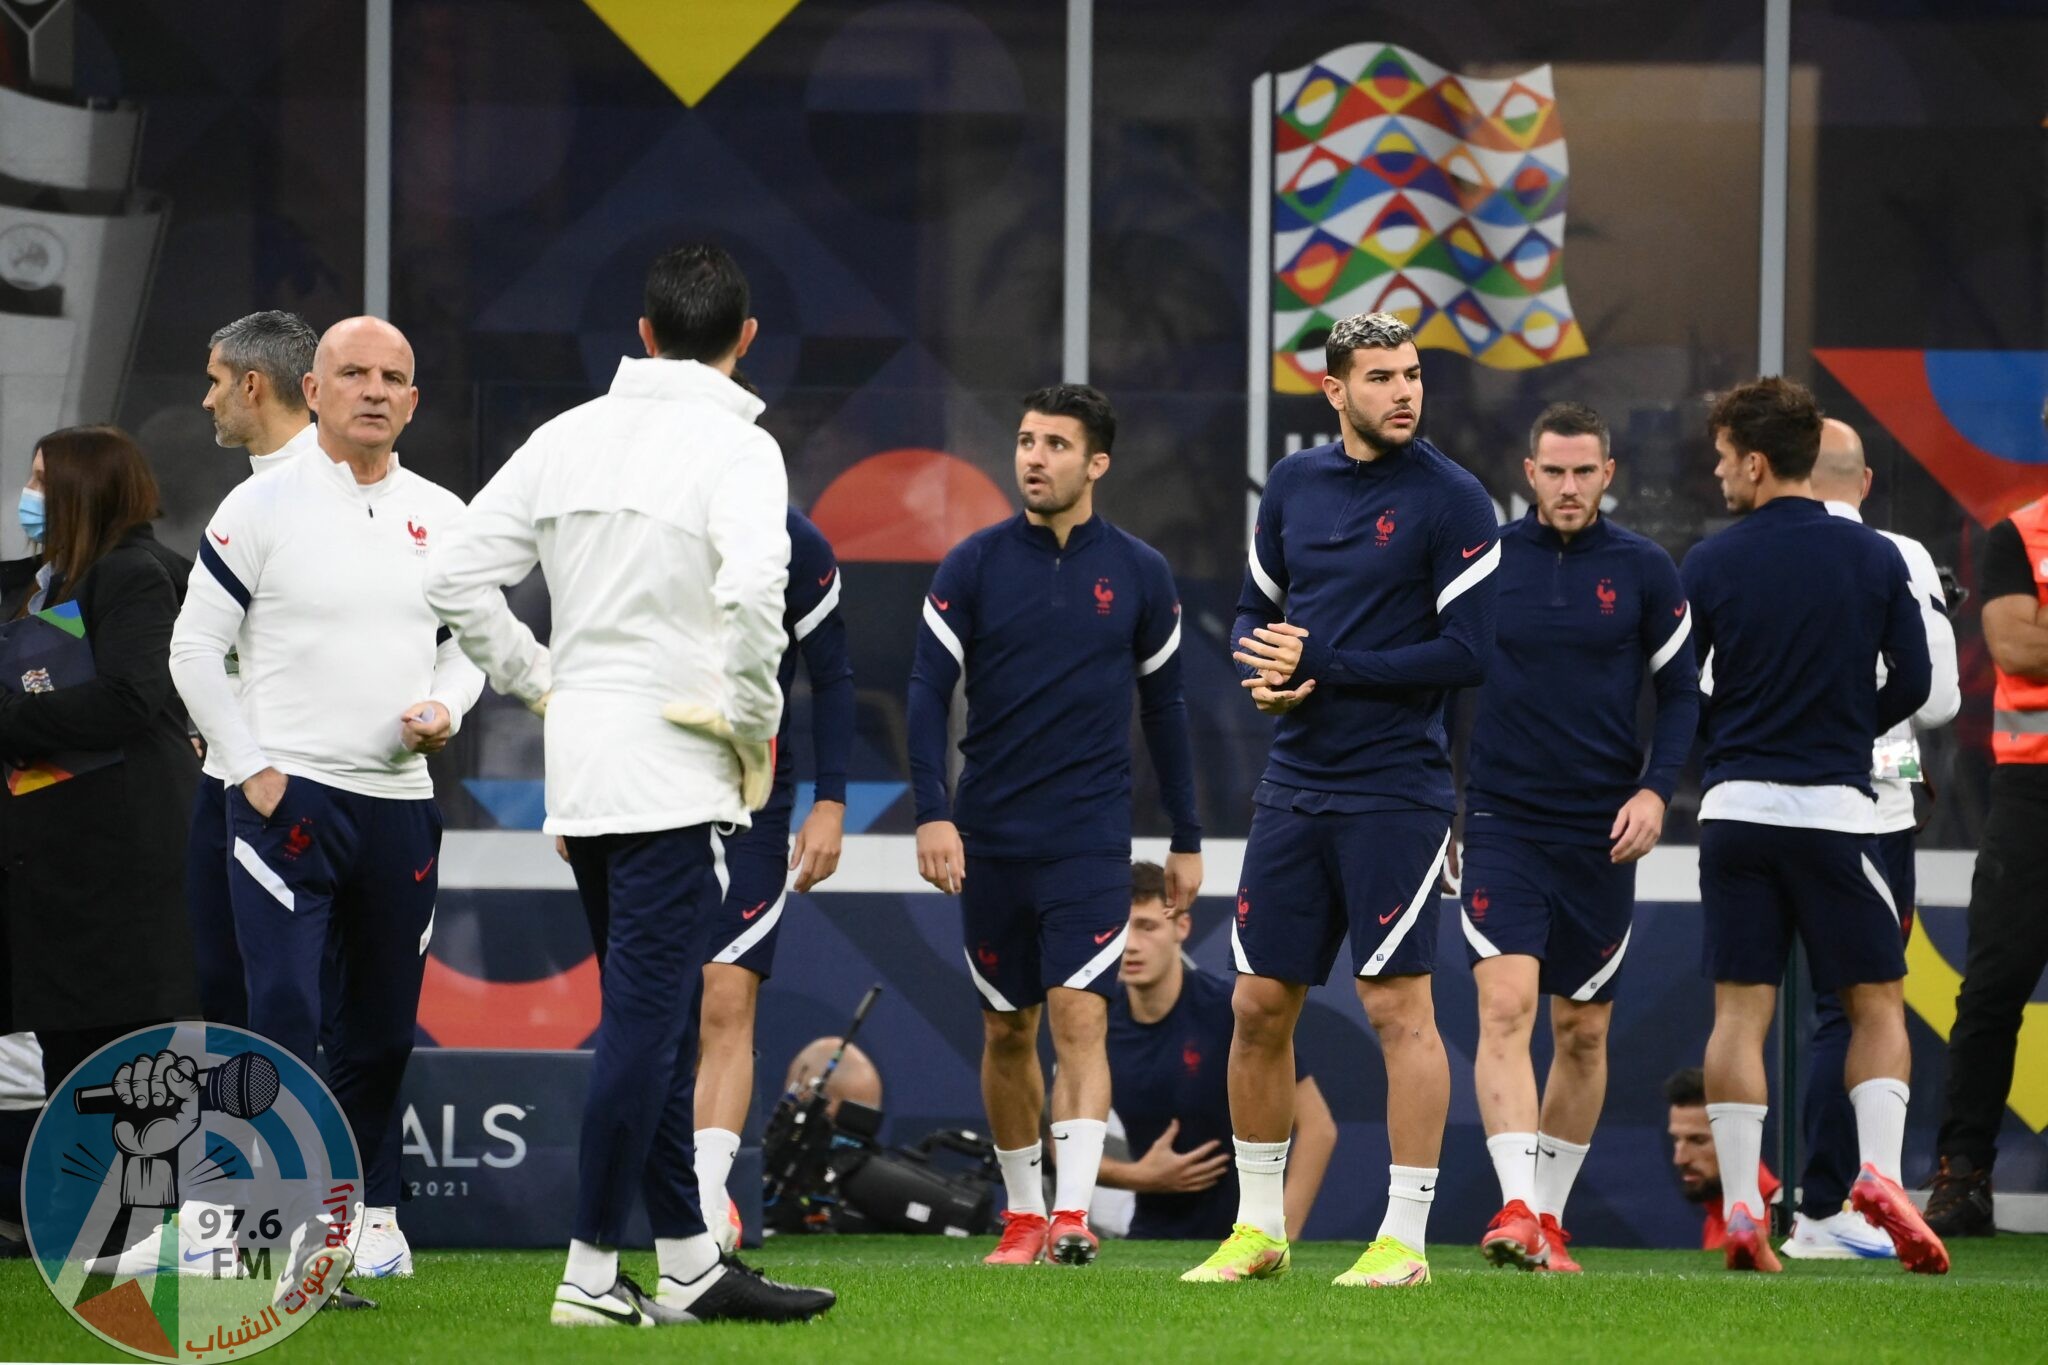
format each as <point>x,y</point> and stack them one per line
<point>31,514</point>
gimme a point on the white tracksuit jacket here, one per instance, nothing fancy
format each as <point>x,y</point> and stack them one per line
<point>315,581</point>
<point>656,513</point>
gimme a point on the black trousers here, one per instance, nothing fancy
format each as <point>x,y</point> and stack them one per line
<point>2008,952</point>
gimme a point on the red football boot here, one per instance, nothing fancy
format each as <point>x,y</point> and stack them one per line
<point>1748,1246</point>
<point>1514,1237</point>
<point>1555,1240</point>
<point>1884,1205</point>
<point>1069,1241</point>
<point>1023,1241</point>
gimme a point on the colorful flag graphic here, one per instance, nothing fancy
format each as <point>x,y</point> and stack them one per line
<point>1398,186</point>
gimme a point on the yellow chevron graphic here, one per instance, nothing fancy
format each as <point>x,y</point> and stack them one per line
<point>1931,986</point>
<point>691,44</point>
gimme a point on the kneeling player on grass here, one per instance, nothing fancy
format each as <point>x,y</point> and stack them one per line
<point>1051,618</point>
<point>1790,605</point>
<point>1560,805</point>
<point>1368,598</point>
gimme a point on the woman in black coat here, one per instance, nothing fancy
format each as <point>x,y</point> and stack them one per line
<point>96,936</point>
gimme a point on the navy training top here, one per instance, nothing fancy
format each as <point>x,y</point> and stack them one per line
<point>1389,565</point>
<point>1051,640</point>
<point>1555,750</point>
<point>810,613</point>
<point>1790,605</point>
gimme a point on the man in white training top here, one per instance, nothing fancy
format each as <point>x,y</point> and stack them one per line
<point>313,575</point>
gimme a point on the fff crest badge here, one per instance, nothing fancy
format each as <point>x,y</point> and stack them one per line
<point>192,1192</point>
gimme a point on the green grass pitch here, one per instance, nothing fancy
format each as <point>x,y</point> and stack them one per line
<point>916,1299</point>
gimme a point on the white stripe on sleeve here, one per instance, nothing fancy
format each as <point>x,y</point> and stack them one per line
<point>945,634</point>
<point>1465,581</point>
<point>1153,664</point>
<point>1267,585</point>
<point>1669,649</point>
<point>817,614</point>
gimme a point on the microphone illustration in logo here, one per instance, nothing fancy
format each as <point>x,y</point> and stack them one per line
<point>241,1087</point>
<point>156,1102</point>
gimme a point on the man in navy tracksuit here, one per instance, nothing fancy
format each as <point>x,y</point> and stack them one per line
<point>1560,804</point>
<point>1790,605</point>
<point>1051,617</point>
<point>1369,596</point>
<point>754,864</point>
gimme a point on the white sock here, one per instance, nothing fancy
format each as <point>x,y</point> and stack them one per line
<point>1262,1186</point>
<point>685,1258</point>
<point>1739,1143</point>
<point>1080,1157</point>
<point>1024,1177</point>
<point>592,1269</point>
<point>1410,1191</point>
<point>686,1263</point>
<point>383,1213</point>
<point>1557,1166</point>
<point>1514,1165</point>
<point>1881,1122</point>
<point>716,1148</point>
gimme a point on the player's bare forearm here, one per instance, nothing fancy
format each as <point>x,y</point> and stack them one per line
<point>2016,636</point>
<point>1119,1175</point>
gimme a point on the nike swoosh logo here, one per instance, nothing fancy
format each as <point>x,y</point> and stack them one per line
<point>1678,610</point>
<point>826,579</point>
<point>629,1318</point>
<point>1388,918</point>
<point>1036,1160</point>
<point>1105,936</point>
<point>941,603</point>
<point>1530,1152</point>
<point>1426,1189</point>
<point>421,875</point>
<point>218,536</point>
<point>749,914</point>
<point>1475,549</point>
<point>201,1254</point>
<point>1060,1137</point>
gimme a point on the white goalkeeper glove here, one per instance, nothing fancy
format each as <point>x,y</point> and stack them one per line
<point>756,756</point>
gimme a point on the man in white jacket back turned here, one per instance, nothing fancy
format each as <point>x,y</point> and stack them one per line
<point>656,513</point>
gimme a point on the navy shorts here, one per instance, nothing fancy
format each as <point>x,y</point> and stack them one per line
<point>1563,904</point>
<point>1031,924</point>
<point>1895,859</point>
<point>1760,884</point>
<point>1308,879</point>
<point>753,881</point>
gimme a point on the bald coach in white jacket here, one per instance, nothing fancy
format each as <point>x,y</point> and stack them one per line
<point>656,513</point>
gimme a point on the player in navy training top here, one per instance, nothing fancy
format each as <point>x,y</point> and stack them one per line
<point>1368,598</point>
<point>1050,617</point>
<point>1560,802</point>
<point>1169,1045</point>
<point>1790,605</point>
<point>754,864</point>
